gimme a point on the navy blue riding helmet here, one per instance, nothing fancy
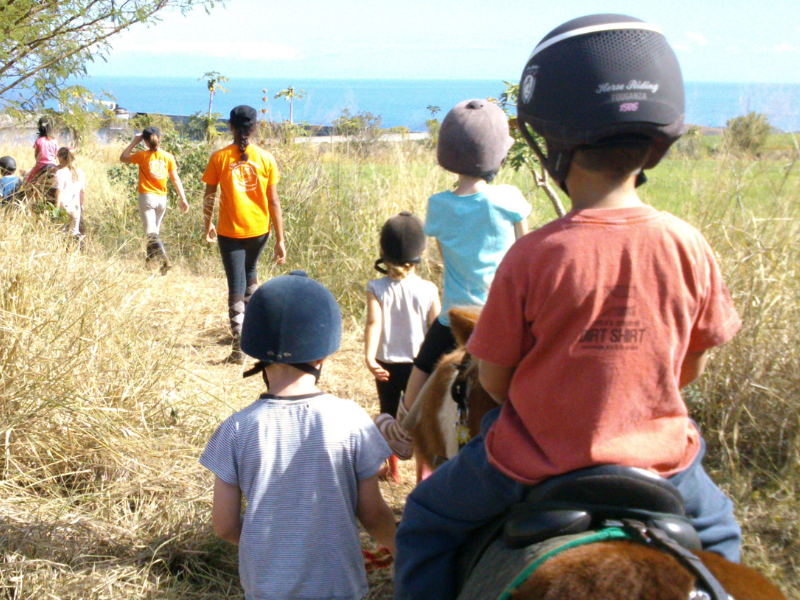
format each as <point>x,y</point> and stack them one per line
<point>291,319</point>
<point>596,78</point>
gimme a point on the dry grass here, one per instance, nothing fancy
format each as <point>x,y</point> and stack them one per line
<point>111,381</point>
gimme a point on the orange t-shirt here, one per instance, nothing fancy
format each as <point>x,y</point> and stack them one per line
<point>597,311</point>
<point>243,205</point>
<point>154,169</point>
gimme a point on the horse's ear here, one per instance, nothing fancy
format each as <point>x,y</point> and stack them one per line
<point>462,322</point>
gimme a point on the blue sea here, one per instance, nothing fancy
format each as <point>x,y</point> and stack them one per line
<point>405,102</point>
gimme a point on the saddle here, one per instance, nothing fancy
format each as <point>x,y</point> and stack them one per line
<point>592,498</point>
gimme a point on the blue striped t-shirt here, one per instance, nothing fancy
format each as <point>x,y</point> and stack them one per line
<point>298,461</point>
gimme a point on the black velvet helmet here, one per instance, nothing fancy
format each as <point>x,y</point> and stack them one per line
<point>402,240</point>
<point>291,319</point>
<point>599,77</point>
<point>474,139</point>
<point>8,164</point>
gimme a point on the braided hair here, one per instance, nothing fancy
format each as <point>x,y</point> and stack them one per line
<point>243,135</point>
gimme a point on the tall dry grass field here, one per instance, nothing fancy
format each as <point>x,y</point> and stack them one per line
<point>112,383</point>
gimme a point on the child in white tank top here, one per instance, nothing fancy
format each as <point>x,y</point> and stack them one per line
<point>400,308</point>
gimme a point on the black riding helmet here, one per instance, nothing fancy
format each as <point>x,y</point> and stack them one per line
<point>474,139</point>
<point>291,319</point>
<point>8,164</point>
<point>599,77</point>
<point>402,240</point>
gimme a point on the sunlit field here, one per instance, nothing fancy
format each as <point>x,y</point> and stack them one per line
<point>111,379</point>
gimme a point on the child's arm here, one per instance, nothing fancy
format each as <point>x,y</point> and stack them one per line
<point>694,363</point>
<point>276,216</point>
<point>126,154</point>
<point>495,380</point>
<point>226,514</point>
<point>83,197</point>
<point>434,310</point>
<point>372,335</point>
<point>520,228</point>
<point>374,514</point>
<point>176,181</point>
<point>209,199</point>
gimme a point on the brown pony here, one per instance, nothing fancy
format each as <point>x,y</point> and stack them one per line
<point>614,570</point>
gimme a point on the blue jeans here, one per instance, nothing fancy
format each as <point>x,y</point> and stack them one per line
<point>467,492</point>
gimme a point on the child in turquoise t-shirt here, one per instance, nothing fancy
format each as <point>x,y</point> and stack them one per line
<point>474,225</point>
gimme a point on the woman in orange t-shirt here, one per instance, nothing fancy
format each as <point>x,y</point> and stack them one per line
<point>247,177</point>
<point>155,166</point>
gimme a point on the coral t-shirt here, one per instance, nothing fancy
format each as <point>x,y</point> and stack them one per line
<point>243,206</point>
<point>597,311</point>
<point>154,169</point>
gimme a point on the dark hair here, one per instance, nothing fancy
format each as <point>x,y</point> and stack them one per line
<point>616,157</point>
<point>241,136</point>
<point>46,128</point>
<point>152,139</point>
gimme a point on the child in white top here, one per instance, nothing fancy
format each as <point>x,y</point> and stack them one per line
<point>70,185</point>
<point>400,309</point>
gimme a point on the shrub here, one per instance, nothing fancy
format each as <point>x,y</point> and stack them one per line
<point>748,133</point>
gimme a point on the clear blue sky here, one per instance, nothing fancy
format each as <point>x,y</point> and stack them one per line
<point>716,40</point>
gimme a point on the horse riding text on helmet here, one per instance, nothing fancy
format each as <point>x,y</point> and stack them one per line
<point>600,80</point>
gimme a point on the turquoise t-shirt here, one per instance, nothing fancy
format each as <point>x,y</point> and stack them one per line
<point>475,232</point>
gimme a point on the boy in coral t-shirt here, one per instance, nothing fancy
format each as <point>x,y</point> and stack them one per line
<point>593,322</point>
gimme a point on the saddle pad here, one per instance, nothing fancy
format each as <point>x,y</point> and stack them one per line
<point>503,569</point>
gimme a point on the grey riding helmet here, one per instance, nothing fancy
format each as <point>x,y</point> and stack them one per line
<point>474,139</point>
<point>291,319</point>
<point>599,77</point>
<point>402,240</point>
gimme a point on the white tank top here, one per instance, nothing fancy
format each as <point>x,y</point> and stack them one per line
<point>404,305</point>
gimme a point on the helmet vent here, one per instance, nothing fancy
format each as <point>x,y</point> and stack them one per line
<point>627,50</point>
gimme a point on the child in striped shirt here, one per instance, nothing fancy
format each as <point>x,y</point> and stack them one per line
<point>307,462</point>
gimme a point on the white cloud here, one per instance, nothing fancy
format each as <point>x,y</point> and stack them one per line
<point>697,38</point>
<point>785,47</point>
<point>242,50</point>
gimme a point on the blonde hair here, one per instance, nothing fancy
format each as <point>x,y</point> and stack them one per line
<point>399,271</point>
<point>68,156</point>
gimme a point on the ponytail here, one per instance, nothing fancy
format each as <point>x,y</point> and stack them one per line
<point>45,128</point>
<point>152,140</point>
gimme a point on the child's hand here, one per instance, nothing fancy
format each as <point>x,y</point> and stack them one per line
<point>184,206</point>
<point>377,371</point>
<point>280,252</point>
<point>399,440</point>
<point>211,233</point>
<point>137,138</point>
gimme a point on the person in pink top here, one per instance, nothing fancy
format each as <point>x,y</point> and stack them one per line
<point>594,322</point>
<point>44,148</point>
